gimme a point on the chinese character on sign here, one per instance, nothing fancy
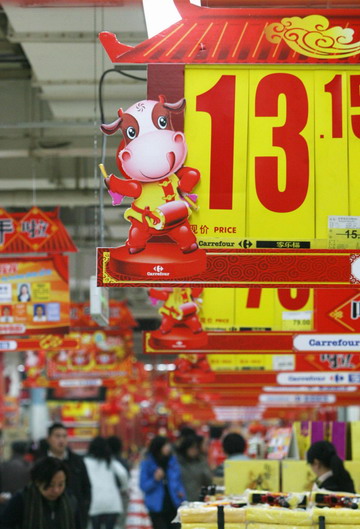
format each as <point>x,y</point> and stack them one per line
<point>204,229</point>
<point>355,310</point>
<point>6,226</point>
<point>338,361</point>
<point>35,228</point>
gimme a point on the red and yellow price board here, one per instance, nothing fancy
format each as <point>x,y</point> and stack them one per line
<point>278,151</point>
<point>257,308</point>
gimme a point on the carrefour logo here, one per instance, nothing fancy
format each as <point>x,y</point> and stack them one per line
<point>158,270</point>
<point>327,342</point>
<point>316,378</point>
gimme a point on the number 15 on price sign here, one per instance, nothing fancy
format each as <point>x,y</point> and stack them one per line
<point>278,149</point>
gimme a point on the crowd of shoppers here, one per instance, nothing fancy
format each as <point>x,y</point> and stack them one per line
<point>59,489</point>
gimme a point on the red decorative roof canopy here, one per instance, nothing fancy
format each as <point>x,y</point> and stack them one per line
<point>247,35</point>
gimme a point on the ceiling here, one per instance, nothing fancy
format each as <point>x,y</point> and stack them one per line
<point>50,145</point>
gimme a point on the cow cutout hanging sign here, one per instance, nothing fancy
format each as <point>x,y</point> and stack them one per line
<point>151,160</point>
<point>180,326</point>
<point>279,188</point>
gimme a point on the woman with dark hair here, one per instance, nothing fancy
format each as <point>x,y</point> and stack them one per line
<point>24,293</point>
<point>160,480</point>
<point>104,470</point>
<point>195,471</point>
<point>44,503</point>
<point>329,468</point>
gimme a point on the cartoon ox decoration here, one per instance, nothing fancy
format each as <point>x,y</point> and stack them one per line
<point>151,157</point>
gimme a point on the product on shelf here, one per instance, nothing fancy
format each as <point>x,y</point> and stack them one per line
<point>288,500</point>
<point>337,516</point>
<point>207,513</point>
<point>335,499</point>
<point>274,510</point>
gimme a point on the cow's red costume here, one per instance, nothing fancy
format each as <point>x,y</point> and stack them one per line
<point>179,308</point>
<point>152,157</point>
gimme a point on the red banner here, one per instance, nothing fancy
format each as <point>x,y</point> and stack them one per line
<point>270,378</point>
<point>338,310</point>
<point>54,342</point>
<point>100,355</point>
<point>120,316</point>
<point>34,231</point>
<point>242,268</point>
<point>34,295</point>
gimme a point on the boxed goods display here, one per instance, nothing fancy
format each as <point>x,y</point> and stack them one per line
<point>268,510</point>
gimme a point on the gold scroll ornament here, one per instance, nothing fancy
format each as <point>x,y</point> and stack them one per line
<point>312,36</point>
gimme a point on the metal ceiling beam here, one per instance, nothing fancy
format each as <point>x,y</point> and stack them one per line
<point>130,37</point>
<point>61,152</point>
<point>58,197</point>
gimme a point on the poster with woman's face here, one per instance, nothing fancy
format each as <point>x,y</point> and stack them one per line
<point>34,295</point>
<point>24,292</point>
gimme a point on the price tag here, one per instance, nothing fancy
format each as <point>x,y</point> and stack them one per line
<point>297,321</point>
<point>278,152</point>
<point>344,232</point>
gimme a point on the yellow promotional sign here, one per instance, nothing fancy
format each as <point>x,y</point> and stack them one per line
<point>252,474</point>
<point>297,475</point>
<point>353,123</point>
<point>257,308</point>
<point>278,152</point>
<point>241,362</point>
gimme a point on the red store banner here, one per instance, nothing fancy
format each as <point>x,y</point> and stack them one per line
<point>101,354</point>
<point>120,316</point>
<point>34,231</point>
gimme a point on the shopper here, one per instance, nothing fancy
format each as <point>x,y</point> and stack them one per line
<point>116,447</point>
<point>15,472</point>
<point>160,480</point>
<point>234,446</point>
<point>78,482</point>
<point>104,472</point>
<point>44,503</point>
<point>329,468</point>
<point>195,471</point>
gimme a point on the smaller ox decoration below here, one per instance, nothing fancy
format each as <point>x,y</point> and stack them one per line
<point>180,324</point>
<point>151,158</point>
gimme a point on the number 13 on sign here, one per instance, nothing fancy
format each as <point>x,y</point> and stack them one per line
<point>278,150</point>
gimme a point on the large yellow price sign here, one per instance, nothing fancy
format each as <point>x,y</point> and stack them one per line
<point>258,308</point>
<point>278,151</point>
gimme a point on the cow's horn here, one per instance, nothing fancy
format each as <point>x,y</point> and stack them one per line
<point>176,107</point>
<point>111,128</point>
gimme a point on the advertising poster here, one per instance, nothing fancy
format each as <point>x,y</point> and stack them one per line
<point>337,310</point>
<point>308,432</point>
<point>255,475</point>
<point>262,185</point>
<point>34,295</point>
<point>120,316</point>
<point>266,309</point>
<point>100,355</point>
<point>297,475</point>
